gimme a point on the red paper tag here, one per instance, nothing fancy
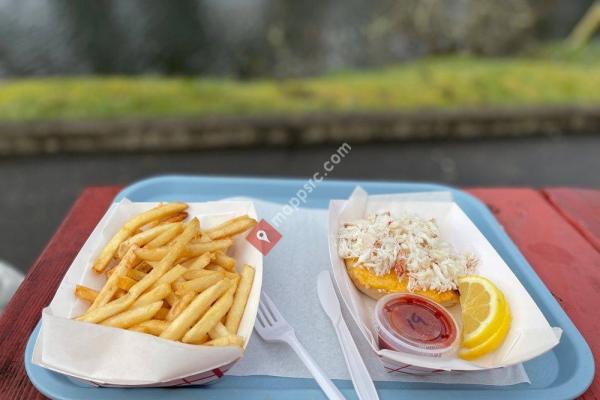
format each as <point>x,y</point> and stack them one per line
<point>263,237</point>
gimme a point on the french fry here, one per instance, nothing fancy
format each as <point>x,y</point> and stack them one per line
<point>152,254</point>
<point>165,237</point>
<point>225,224</point>
<point>191,250</point>
<point>158,293</point>
<point>174,273</point>
<point>152,327</point>
<point>110,287</point>
<point>148,226</point>
<point>225,261</point>
<point>231,340</point>
<point>172,299</point>
<point>152,264</point>
<point>197,249</point>
<point>203,239</point>
<point>218,331</point>
<point>232,322</point>
<point>197,273</point>
<point>235,278</point>
<point>140,239</point>
<point>119,305</point>
<point>175,218</point>
<point>154,222</point>
<point>135,274</point>
<point>143,267</point>
<point>109,250</point>
<point>124,282</point>
<point>130,227</point>
<point>179,280</point>
<point>167,261</point>
<point>198,284</point>
<point>199,332</point>
<point>108,310</point>
<point>199,262</point>
<point>133,316</point>
<point>187,263</point>
<point>167,278</point>
<point>180,305</point>
<point>162,313</point>
<point>231,228</point>
<point>180,325</point>
<point>215,268</point>
<point>232,275</point>
<point>85,293</point>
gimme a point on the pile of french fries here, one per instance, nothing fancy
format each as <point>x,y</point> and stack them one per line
<point>170,278</point>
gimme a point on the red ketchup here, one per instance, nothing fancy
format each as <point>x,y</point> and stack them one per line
<point>414,324</point>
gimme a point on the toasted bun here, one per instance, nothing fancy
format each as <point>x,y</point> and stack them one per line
<point>376,286</point>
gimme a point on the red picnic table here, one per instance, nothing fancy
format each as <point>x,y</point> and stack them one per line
<point>557,230</point>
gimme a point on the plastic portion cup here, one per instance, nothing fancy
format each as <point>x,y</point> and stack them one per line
<point>414,324</point>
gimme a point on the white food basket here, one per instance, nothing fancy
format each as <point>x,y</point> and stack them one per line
<point>530,334</point>
<point>106,356</point>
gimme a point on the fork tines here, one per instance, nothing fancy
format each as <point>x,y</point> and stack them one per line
<point>267,312</point>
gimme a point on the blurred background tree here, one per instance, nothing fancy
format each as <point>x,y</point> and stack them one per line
<point>260,38</point>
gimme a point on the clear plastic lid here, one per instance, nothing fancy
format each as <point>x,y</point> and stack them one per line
<point>414,324</point>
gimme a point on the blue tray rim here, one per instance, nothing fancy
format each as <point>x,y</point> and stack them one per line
<point>573,387</point>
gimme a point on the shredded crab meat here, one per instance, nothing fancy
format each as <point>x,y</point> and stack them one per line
<point>409,244</point>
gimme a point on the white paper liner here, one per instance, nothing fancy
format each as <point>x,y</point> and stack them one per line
<point>106,355</point>
<point>530,334</point>
<point>291,271</point>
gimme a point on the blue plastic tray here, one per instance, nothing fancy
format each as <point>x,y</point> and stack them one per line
<point>563,373</point>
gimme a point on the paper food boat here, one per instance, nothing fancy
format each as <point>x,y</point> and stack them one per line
<point>106,356</point>
<point>530,334</point>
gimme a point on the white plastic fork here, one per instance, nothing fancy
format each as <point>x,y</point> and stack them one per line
<point>272,327</point>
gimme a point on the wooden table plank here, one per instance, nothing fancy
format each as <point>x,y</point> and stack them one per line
<point>23,312</point>
<point>565,261</point>
<point>581,207</point>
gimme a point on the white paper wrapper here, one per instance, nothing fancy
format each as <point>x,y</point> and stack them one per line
<point>300,305</point>
<point>530,334</point>
<point>109,356</point>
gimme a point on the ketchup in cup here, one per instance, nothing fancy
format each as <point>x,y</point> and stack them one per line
<point>414,324</point>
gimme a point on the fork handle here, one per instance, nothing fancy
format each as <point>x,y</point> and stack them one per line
<point>331,391</point>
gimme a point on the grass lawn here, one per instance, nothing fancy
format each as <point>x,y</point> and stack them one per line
<point>553,75</point>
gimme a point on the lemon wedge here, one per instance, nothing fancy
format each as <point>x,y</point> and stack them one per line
<point>484,311</point>
<point>492,343</point>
